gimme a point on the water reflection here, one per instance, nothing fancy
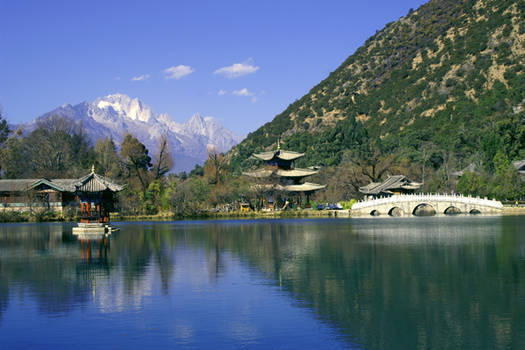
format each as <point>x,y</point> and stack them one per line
<point>382,283</point>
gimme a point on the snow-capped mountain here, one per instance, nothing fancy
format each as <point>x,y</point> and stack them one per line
<point>118,114</point>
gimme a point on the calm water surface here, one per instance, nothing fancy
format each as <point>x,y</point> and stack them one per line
<point>392,283</point>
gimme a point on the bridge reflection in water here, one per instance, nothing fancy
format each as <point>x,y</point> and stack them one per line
<point>425,204</point>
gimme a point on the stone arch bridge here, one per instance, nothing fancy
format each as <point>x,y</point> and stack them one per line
<point>402,205</point>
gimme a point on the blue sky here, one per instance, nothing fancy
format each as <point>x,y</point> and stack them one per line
<point>242,62</point>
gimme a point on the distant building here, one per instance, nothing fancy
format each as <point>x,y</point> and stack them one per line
<point>471,168</point>
<point>279,181</point>
<point>520,166</point>
<point>95,193</point>
<point>397,184</point>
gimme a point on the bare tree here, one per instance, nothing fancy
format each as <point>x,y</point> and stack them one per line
<point>164,160</point>
<point>215,166</point>
<point>372,161</point>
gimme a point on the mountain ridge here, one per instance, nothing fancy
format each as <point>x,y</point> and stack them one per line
<point>450,74</point>
<point>114,115</point>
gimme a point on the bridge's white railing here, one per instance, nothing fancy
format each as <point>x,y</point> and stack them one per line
<point>428,198</point>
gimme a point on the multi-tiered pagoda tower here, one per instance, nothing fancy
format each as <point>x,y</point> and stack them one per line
<point>280,182</point>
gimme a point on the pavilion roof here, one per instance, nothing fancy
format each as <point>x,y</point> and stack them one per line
<point>96,183</point>
<point>391,183</point>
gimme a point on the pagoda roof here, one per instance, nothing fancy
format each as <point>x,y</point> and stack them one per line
<point>305,187</point>
<point>259,173</point>
<point>281,154</point>
<point>392,182</point>
<point>265,173</point>
<point>297,172</point>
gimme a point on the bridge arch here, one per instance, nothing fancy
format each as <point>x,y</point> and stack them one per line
<point>396,211</point>
<point>452,210</point>
<point>374,212</point>
<point>474,211</point>
<point>424,209</point>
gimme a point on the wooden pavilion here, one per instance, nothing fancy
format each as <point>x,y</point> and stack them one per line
<point>97,197</point>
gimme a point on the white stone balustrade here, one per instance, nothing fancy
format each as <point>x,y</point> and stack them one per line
<point>440,202</point>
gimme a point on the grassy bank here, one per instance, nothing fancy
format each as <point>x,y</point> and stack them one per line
<point>237,215</point>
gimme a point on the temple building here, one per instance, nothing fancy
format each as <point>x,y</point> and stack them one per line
<point>393,185</point>
<point>280,182</point>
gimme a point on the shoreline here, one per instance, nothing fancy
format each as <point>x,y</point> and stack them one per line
<point>287,214</point>
<point>507,211</point>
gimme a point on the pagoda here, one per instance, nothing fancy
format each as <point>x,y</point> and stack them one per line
<point>280,181</point>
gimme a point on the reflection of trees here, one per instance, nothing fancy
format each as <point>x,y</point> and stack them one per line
<point>385,283</point>
<point>48,261</point>
<point>387,292</point>
<point>134,249</point>
<point>24,258</point>
<point>216,266</point>
<point>4,290</point>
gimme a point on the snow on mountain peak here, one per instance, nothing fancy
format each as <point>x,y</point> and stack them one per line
<point>125,106</point>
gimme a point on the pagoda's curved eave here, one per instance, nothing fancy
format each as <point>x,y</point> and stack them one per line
<point>292,173</point>
<point>280,154</point>
<point>307,187</point>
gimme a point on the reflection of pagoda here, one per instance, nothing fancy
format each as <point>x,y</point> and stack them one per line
<point>279,180</point>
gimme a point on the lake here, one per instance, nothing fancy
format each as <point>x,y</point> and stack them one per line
<point>372,283</point>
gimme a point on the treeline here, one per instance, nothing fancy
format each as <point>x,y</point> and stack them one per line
<point>59,148</point>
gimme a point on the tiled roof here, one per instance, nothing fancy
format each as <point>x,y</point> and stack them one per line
<point>393,182</point>
<point>12,185</point>
<point>96,183</point>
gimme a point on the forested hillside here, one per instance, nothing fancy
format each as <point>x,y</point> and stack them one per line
<point>435,91</point>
